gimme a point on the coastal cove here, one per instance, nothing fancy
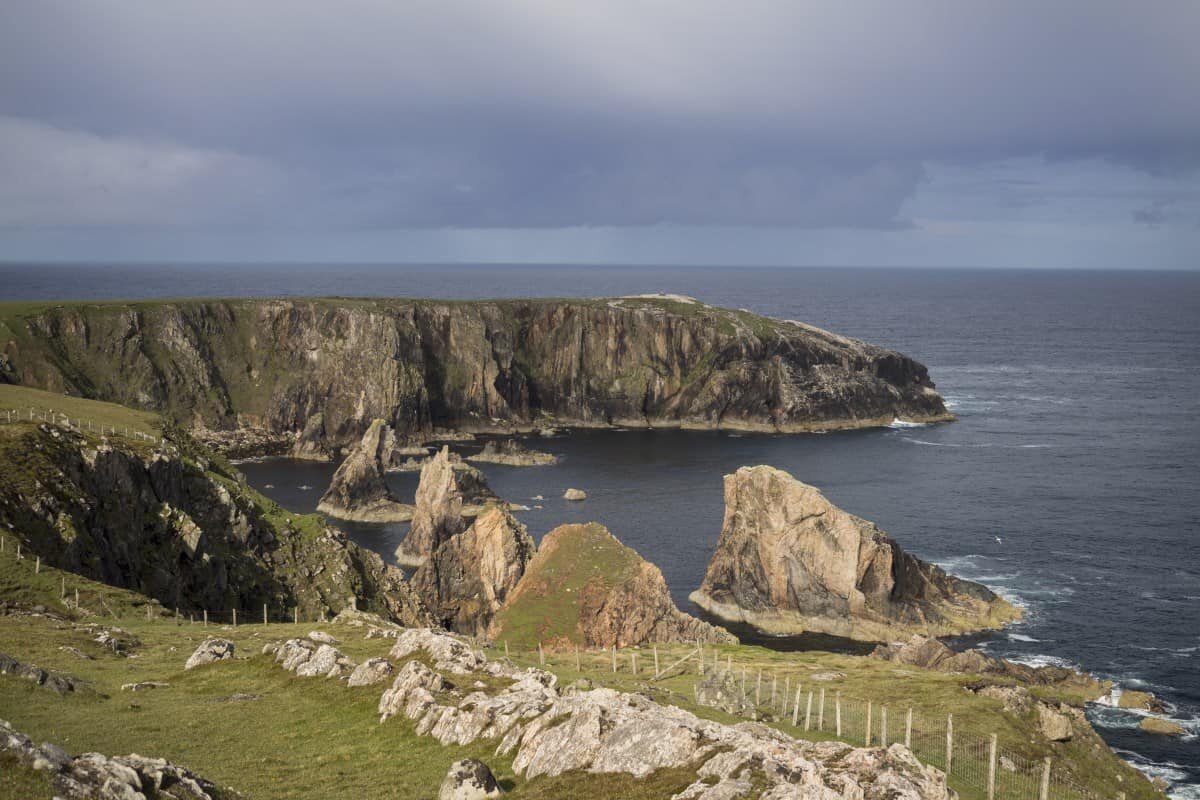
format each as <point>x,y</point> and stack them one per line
<point>1067,483</point>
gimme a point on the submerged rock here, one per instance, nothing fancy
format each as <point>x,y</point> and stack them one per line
<point>789,561</point>
<point>438,514</point>
<point>470,576</point>
<point>358,490</point>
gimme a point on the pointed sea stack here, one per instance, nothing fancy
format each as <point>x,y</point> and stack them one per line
<point>789,561</point>
<point>358,490</point>
<point>470,576</point>
<point>438,514</point>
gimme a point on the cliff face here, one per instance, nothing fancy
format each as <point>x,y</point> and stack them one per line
<point>789,561</point>
<point>584,586</point>
<point>358,490</point>
<point>470,576</point>
<point>326,368</point>
<point>168,523</point>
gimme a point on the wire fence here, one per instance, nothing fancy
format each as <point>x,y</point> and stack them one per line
<point>80,424</point>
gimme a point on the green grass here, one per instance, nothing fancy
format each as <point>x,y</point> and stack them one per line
<point>20,399</point>
<point>546,607</point>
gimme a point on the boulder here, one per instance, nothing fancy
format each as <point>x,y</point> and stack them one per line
<point>209,651</point>
<point>1144,701</point>
<point>1054,724</point>
<point>358,490</point>
<point>1161,727</point>
<point>789,561</point>
<point>322,662</point>
<point>371,671</point>
<point>469,779</point>
<point>321,637</point>
<point>575,494</point>
<point>470,576</point>
<point>438,513</point>
<point>722,690</point>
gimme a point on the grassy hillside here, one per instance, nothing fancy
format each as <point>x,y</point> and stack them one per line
<point>88,415</point>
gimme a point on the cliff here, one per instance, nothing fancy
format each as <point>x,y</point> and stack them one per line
<point>584,586</point>
<point>321,370</point>
<point>789,561</point>
<point>171,523</point>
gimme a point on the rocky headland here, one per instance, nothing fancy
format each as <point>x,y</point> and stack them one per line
<point>584,587</point>
<point>789,561</point>
<point>317,372</point>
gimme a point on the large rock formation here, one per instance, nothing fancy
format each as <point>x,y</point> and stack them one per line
<point>511,453</point>
<point>789,561</point>
<point>358,490</point>
<point>586,587</point>
<point>550,732</point>
<point>484,366</point>
<point>438,513</point>
<point>469,577</point>
<point>172,523</point>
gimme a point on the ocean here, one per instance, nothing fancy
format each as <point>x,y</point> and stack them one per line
<point>1070,482</point>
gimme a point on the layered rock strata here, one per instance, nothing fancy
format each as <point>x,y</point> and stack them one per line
<point>789,561</point>
<point>322,369</point>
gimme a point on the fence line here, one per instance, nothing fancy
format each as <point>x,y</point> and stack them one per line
<point>80,424</point>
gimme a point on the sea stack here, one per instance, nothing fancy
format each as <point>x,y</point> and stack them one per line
<point>789,561</point>
<point>469,576</point>
<point>438,514</point>
<point>584,587</point>
<point>358,490</point>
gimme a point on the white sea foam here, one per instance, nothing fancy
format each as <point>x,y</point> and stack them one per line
<point>1039,660</point>
<point>900,423</point>
<point>1020,637</point>
<point>1174,774</point>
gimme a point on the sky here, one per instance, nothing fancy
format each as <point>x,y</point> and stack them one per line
<point>923,133</point>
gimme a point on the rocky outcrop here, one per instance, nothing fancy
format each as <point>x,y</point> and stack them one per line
<point>1161,727</point>
<point>494,366</point>
<point>358,490</point>
<point>438,512</point>
<point>469,779</point>
<point>586,587</point>
<point>469,576</point>
<point>551,732</point>
<point>97,777</point>
<point>55,682</point>
<point>789,561</point>
<point>210,651</point>
<point>175,524</point>
<point>511,453</point>
<point>311,659</point>
<point>929,653</point>
<point>370,672</point>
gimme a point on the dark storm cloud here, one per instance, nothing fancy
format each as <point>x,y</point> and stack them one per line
<point>520,114</point>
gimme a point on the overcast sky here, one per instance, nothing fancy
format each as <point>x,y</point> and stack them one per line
<point>1056,133</point>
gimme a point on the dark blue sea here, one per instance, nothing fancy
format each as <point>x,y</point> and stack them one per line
<point>1070,482</point>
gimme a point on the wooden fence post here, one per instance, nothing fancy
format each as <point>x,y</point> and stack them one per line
<point>235,617</point>
<point>206,617</point>
<point>796,707</point>
<point>614,658</point>
<point>656,660</point>
<point>808,711</point>
<point>837,714</point>
<point>787,692</point>
<point>729,662</point>
<point>176,615</point>
<point>700,650</point>
<point>264,613</point>
<point>774,686</point>
<point>77,598</point>
<point>821,711</point>
<point>867,735</point>
<point>541,655</point>
<point>743,680</point>
<point>633,658</point>
<point>295,615</point>
<point>908,729</point>
<point>883,731</point>
<point>506,648</point>
<point>1044,794</point>
<point>148,611</point>
<point>63,593</point>
<point>37,568</point>
<point>758,690</point>
<point>991,780</point>
<point>949,742</point>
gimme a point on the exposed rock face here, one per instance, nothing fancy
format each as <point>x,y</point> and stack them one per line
<point>1053,724</point>
<point>575,495</point>
<point>511,453</point>
<point>358,490</point>
<point>169,523</point>
<point>469,576</point>
<point>548,732</point>
<point>789,561</point>
<point>598,593</point>
<point>484,366</point>
<point>60,684</point>
<point>97,777</point>
<point>370,672</point>
<point>438,513</point>
<point>309,659</point>
<point>929,653</point>
<point>470,779</point>
<point>210,651</point>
